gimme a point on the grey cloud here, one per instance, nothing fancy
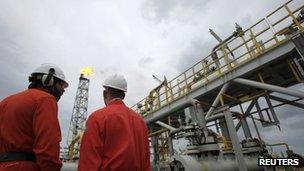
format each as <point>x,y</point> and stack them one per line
<point>14,70</point>
<point>145,61</point>
<point>152,10</point>
<point>288,111</point>
<point>159,10</point>
<point>198,49</point>
<point>297,125</point>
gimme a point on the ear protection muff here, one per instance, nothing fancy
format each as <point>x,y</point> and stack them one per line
<point>47,80</point>
<point>32,78</point>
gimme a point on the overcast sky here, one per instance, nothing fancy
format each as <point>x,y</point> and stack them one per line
<point>138,38</point>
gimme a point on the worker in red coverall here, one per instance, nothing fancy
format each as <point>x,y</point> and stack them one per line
<point>116,137</point>
<point>29,127</point>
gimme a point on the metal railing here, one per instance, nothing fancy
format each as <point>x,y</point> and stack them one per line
<point>251,43</point>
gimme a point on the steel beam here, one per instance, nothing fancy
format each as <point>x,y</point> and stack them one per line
<point>298,40</point>
<point>257,105</point>
<point>274,116</point>
<point>235,141</point>
<point>154,142</point>
<point>270,87</point>
<point>247,112</point>
<point>246,129</point>
<point>217,99</point>
<point>245,126</point>
<point>170,145</point>
<point>224,129</point>
<point>280,99</point>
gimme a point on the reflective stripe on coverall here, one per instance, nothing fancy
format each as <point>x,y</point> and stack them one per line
<point>29,123</point>
<point>116,139</point>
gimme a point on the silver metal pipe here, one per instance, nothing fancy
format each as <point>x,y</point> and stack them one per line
<point>190,163</point>
<point>270,87</point>
<point>177,130</point>
<point>201,117</point>
<point>166,111</point>
<point>69,166</point>
<point>215,35</point>
<point>214,117</point>
<point>171,128</point>
<point>217,99</point>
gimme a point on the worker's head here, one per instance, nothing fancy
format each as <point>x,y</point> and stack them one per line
<point>50,78</point>
<point>115,87</point>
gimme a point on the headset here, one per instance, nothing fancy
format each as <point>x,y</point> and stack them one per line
<point>47,80</point>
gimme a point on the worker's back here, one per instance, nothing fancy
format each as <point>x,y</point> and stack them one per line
<point>123,140</point>
<point>24,123</point>
<point>16,117</point>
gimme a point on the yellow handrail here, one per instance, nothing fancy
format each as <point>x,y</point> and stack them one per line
<point>247,46</point>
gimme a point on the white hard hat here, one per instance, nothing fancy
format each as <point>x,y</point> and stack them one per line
<point>116,81</point>
<point>45,69</point>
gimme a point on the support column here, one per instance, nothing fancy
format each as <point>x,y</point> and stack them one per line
<point>191,110</point>
<point>245,126</point>
<point>257,105</point>
<point>298,41</point>
<point>224,129</point>
<point>154,142</point>
<point>170,145</point>
<point>235,141</point>
<point>274,116</point>
<point>246,129</point>
<point>201,117</point>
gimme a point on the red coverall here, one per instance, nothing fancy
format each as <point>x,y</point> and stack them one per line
<point>116,139</point>
<point>29,123</point>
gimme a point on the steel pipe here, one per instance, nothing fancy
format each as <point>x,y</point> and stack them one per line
<point>270,87</point>
<point>217,99</point>
<point>166,111</point>
<point>171,128</point>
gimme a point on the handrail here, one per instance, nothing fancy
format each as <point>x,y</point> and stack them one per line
<point>249,45</point>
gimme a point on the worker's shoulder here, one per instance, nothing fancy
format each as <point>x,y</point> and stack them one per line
<point>29,95</point>
<point>135,115</point>
<point>37,94</point>
<point>114,112</point>
<point>100,113</point>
